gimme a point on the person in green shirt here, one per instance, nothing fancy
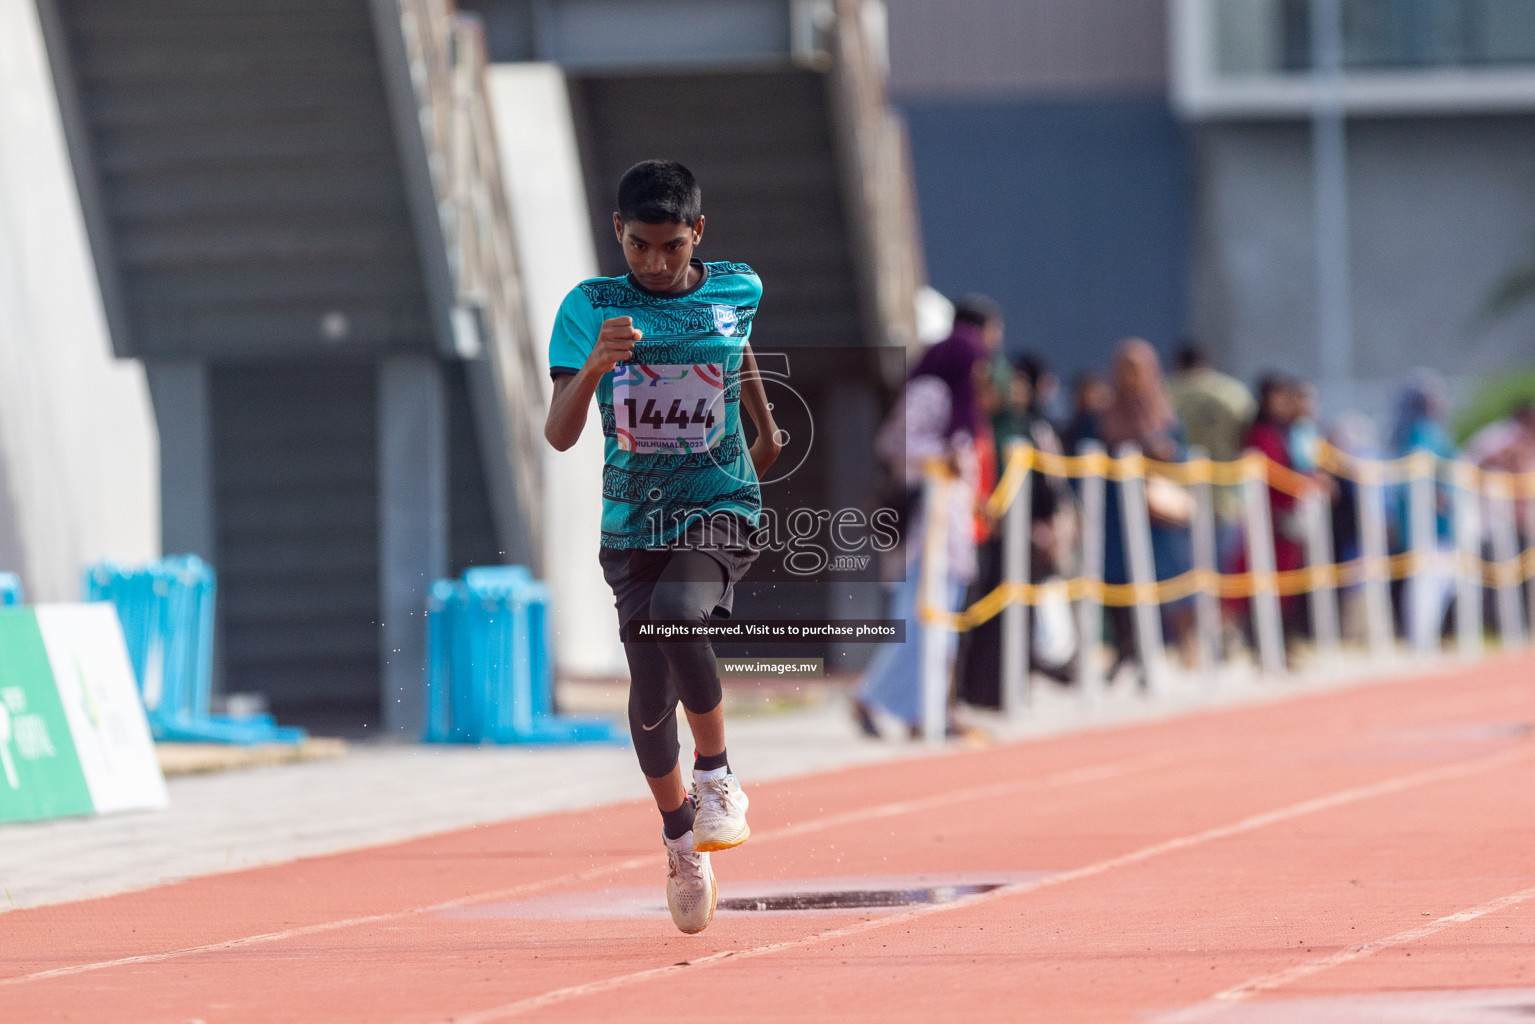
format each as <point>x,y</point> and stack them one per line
<point>1216,409</point>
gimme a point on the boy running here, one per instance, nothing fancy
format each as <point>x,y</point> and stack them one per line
<point>664,351</point>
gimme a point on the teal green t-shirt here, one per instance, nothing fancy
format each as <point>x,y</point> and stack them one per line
<point>674,448</point>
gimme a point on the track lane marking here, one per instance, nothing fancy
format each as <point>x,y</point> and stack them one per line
<point>1105,770</point>
<point>1251,823</point>
<point>1279,979</point>
<point>1091,773</point>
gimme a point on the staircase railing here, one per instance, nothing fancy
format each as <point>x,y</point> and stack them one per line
<point>446,56</point>
<point>878,169</point>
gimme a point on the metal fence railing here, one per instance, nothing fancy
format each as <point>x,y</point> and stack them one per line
<point>876,163</point>
<point>446,57</point>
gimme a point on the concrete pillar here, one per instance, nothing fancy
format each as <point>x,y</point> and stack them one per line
<point>180,391</point>
<point>413,529</point>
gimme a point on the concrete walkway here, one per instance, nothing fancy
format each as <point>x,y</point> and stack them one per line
<point>382,793</point>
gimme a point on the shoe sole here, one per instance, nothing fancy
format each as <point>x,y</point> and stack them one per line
<point>716,845</point>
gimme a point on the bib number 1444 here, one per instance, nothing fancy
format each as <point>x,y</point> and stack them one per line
<point>669,409</point>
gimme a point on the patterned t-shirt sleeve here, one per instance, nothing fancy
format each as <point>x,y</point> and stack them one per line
<point>753,289</point>
<point>575,333</point>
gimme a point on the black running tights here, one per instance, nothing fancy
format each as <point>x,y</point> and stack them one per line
<point>661,673</point>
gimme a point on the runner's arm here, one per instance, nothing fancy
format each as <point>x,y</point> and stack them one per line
<point>764,450</point>
<point>573,392</point>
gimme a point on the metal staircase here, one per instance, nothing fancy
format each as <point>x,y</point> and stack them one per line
<point>805,177</point>
<point>298,225</point>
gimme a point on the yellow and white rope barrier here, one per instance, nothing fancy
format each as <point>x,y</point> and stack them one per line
<point>1481,503</point>
<point>1519,568</point>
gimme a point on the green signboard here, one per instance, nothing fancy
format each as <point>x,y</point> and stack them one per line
<point>42,777</point>
<point>73,739</point>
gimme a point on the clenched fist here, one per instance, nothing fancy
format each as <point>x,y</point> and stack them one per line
<point>615,344</point>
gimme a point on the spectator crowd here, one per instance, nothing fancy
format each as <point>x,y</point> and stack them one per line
<point>968,400</point>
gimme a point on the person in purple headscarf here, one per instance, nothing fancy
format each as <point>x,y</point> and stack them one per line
<point>939,417</point>
<point>976,336</point>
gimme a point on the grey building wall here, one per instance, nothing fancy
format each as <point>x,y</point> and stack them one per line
<point>1441,208</point>
<point>1072,212</point>
<point>1039,47</point>
<point>1051,173</point>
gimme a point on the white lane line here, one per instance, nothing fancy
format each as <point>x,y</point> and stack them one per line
<point>329,926</point>
<point>1249,824</point>
<point>1091,773</point>
<point>1279,979</point>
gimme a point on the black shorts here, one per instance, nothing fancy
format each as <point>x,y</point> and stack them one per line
<point>632,572</point>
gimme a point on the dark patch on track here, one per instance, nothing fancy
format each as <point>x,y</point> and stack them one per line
<point>859,899</point>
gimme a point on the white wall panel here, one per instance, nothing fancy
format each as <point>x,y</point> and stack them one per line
<point>547,193</point>
<point>78,451</point>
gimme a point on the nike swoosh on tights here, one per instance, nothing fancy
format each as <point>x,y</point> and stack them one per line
<point>653,728</point>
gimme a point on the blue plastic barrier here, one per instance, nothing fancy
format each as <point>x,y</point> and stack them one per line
<point>166,609</point>
<point>10,589</point>
<point>490,677</point>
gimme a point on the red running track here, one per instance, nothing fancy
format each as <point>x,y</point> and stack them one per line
<point>1324,859</point>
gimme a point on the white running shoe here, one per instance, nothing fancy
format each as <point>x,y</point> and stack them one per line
<point>720,821</point>
<point>691,891</point>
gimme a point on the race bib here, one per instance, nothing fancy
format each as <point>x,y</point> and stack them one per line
<point>669,410</point>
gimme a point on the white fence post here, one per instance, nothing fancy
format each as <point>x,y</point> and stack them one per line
<point>1370,505</point>
<point>1135,523</point>
<point>1467,511</point>
<point>1015,570</point>
<point>1090,609</point>
<point>1505,552</point>
<point>1317,516</point>
<point>1424,586</point>
<point>1529,538</point>
<point>1207,609</point>
<point>1267,625</point>
<point>934,587</point>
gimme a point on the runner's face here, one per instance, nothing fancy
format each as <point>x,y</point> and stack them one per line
<point>658,254</point>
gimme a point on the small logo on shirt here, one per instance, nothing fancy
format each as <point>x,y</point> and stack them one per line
<point>725,320</point>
